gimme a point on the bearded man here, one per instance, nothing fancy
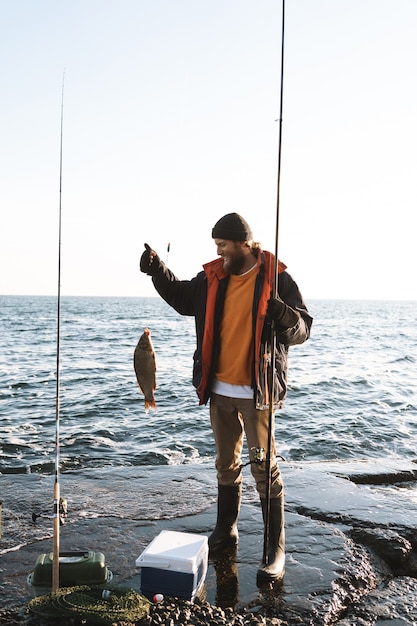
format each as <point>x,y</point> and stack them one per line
<point>236,315</point>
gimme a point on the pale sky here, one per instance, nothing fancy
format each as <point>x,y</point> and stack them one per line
<point>170,110</point>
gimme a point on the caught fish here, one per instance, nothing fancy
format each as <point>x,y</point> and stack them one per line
<point>145,367</point>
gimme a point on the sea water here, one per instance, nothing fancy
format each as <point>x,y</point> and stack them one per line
<point>352,385</point>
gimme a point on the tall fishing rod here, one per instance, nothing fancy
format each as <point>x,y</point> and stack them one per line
<point>55,562</point>
<point>275,295</point>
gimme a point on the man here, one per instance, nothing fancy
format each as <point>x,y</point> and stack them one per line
<point>235,317</point>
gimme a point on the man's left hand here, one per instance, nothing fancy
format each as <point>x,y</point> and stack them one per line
<point>281,314</point>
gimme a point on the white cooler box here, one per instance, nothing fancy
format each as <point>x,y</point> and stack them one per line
<point>174,564</point>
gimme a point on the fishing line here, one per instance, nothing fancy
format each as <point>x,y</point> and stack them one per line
<point>275,294</point>
<point>55,563</point>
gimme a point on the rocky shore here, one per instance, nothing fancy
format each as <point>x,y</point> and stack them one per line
<point>351,555</point>
<point>168,614</point>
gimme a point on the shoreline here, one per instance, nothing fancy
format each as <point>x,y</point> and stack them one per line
<point>351,543</point>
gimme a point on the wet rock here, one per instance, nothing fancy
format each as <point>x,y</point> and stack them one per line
<point>388,544</point>
<point>351,547</point>
<point>393,604</point>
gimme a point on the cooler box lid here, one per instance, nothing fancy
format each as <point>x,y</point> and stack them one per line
<point>177,551</point>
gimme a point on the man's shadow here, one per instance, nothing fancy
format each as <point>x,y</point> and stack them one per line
<point>225,564</point>
<point>227,582</point>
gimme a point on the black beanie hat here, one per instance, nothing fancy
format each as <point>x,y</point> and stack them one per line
<point>232,226</point>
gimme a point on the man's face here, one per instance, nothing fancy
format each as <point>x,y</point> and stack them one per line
<point>232,253</point>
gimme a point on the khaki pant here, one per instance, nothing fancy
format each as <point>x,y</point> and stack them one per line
<point>231,418</point>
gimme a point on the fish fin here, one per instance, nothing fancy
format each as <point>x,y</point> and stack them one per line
<point>150,404</point>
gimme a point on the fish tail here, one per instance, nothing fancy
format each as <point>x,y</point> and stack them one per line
<point>150,404</point>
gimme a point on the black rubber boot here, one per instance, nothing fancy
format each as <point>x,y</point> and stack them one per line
<point>225,534</point>
<point>274,568</point>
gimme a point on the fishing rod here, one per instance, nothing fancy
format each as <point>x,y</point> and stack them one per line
<point>55,562</point>
<point>275,295</point>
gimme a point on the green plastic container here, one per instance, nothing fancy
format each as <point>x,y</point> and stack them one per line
<point>75,569</point>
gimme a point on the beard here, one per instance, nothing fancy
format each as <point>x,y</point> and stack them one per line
<point>234,262</point>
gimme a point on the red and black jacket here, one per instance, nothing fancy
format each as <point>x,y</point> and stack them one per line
<point>203,298</point>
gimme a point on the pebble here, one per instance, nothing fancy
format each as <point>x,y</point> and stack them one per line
<point>185,613</point>
<point>165,613</point>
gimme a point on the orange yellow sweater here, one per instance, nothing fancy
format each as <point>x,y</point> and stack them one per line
<point>234,365</point>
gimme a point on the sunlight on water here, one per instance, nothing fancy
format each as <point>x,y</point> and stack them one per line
<point>352,386</point>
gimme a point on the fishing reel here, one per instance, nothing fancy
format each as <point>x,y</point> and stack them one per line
<point>63,512</point>
<point>258,455</point>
